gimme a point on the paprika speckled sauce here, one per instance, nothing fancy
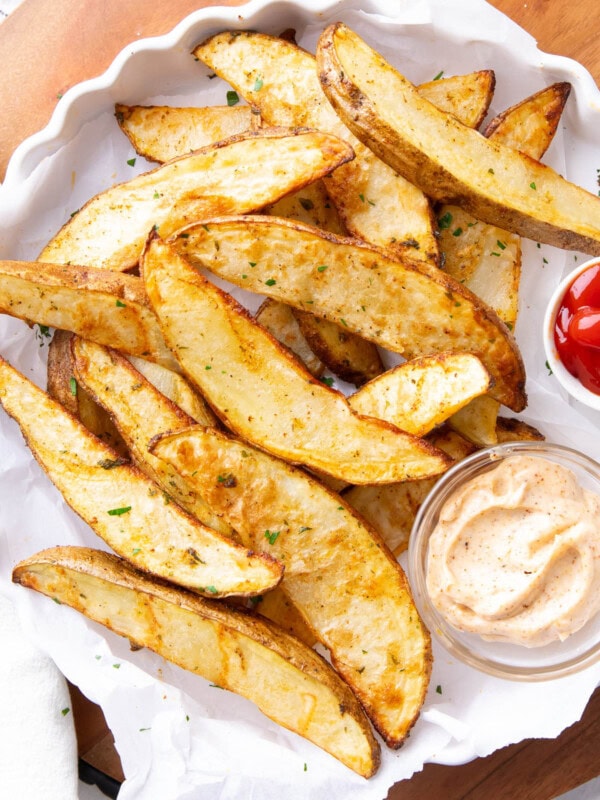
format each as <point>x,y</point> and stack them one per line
<point>515,554</point>
<point>577,328</point>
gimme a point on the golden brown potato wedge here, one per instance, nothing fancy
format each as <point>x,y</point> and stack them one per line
<point>124,507</point>
<point>176,388</point>
<point>392,509</point>
<point>447,160</point>
<point>418,395</point>
<point>338,573</point>
<point>140,412</point>
<point>276,606</point>
<point>63,387</point>
<point>161,133</point>
<point>311,205</point>
<point>100,305</point>
<point>517,430</point>
<point>245,654</point>
<point>530,125</point>
<point>262,392</point>
<point>240,174</point>
<point>466,97</point>
<point>485,258</point>
<point>281,323</point>
<point>477,421</point>
<point>350,357</point>
<point>395,304</point>
<point>280,79</point>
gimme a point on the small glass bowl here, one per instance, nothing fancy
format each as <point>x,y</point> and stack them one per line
<point>569,382</point>
<point>501,659</point>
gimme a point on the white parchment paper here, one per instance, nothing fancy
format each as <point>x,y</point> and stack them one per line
<point>175,732</point>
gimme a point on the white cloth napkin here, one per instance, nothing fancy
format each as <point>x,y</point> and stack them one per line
<point>38,749</point>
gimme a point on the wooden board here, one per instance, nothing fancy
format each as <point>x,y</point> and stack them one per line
<point>42,55</point>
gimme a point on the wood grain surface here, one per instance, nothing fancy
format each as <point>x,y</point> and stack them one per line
<point>46,48</point>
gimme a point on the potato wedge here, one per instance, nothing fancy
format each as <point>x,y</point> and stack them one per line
<point>311,205</point>
<point>338,573</point>
<point>466,97</point>
<point>418,395</point>
<point>140,412</point>
<point>397,305</point>
<point>63,387</point>
<point>447,160</point>
<point>477,421</point>
<point>262,392</point>
<point>287,680</point>
<point>373,202</point>
<point>392,509</point>
<point>162,133</point>
<point>281,323</point>
<point>517,430</point>
<point>124,507</point>
<point>350,357</point>
<point>176,388</point>
<point>241,174</point>
<point>484,257</point>
<point>101,305</point>
<point>276,606</point>
<point>530,125</point>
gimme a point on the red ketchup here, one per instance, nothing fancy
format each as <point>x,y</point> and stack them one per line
<point>577,329</point>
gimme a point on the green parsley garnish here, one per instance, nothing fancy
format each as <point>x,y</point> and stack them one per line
<point>271,536</point>
<point>73,386</point>
<point>439,75</point>
<point>501,245</point>
<point>258,84</point>
<point>322,268</point>
<point>120,304</point>
<point>438,689</point>
<point>271,282</point>
<point>327,381</point>
<point>445,221</point>
<point>232,98</point>
<point>65,711</point>
<point>117,512</point>
<point>532,185</point>
<point>131,162</point>
<point>111,463</point>
<point>457,232</point>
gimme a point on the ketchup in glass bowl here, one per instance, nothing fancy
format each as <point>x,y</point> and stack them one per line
<point>572,333</point>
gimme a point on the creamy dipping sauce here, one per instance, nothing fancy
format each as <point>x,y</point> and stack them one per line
<point>515,555</point>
